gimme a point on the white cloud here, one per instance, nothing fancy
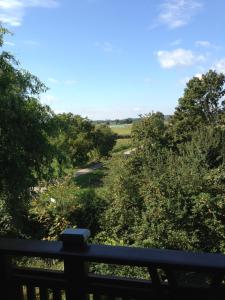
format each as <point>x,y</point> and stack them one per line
<point>71,82</point>
<point>12,12</point>
<point>178,57</point>
<point>108,47</point>
<point>105,46</point>
<point>178,13</point>
<point>176,42</point>
<point>53,80</point>
<point>184,81</point>
<point>205,44</point>
<point>67,82</point>
<point>31,43</point>
<point>198,75</point>
<point>220,66</point>
<point>9,43</point>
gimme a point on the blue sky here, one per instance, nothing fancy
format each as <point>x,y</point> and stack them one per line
<point>115,58</point>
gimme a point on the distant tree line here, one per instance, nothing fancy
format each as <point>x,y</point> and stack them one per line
<point>117,121</point>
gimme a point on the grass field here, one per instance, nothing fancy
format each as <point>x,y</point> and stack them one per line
<point>124,141</point>
<point>124,129</point>
<point>122,145</point>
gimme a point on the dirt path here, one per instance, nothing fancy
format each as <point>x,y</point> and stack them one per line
<point>88,170</point>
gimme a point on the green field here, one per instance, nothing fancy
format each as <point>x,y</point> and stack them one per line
<point>124,129</point>
<point>122,145</point>
<point>124,141</point>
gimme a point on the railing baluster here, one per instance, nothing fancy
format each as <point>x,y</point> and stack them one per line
<point>18,292</point>
<point>57,294</point>
<point>154,277</point>
<point>75,270</point>
<point>155,280</point>
<point>31,293</point>
<point>43,293</point>
<point>9,290</point>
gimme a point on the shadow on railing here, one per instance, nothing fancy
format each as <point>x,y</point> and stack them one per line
<point>170,274</point>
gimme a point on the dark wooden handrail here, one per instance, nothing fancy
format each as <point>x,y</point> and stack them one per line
<point>114,254</point>
<point>78,283</point>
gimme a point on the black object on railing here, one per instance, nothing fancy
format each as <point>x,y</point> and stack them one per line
<point>170,274</point>
<point>75,239</point>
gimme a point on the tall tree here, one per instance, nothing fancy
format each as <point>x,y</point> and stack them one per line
<point>201,104</point>
<point>25,124</point>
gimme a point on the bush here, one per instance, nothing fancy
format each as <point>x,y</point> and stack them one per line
<point>64,205</point>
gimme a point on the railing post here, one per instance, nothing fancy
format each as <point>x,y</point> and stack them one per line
<point>4,276</point>
<point>8,289</point>
<point>75,270</point>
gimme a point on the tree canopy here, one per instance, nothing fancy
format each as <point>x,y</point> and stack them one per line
<point>201,104</point>
<point>169,193</point>
<point>25,151</point>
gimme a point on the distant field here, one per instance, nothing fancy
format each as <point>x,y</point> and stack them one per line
<point>122,145</point>
<point>124,129</point>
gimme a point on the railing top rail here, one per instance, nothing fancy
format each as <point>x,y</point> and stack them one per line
<point>115,254</point>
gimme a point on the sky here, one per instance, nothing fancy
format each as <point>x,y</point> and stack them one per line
<point>108,59</point>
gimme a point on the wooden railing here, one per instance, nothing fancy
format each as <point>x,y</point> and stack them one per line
<point>169,274</point>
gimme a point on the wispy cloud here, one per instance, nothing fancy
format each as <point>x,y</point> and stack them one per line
<point>12,12</point>
<point>176,42</point>
<point>207,44</point>
<point>67,82</point>
<point>203,43</point>
<point>31,43</point>
<point>7,43</point>
<point>108,47</point>
<point>105,46</point>
<point>177,13</point>
<point>178,58</point>
<point>53,80</point>
<point>219,66</point>
<point>71,82</point>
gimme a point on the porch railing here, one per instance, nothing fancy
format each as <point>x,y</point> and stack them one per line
<point>169,274</point>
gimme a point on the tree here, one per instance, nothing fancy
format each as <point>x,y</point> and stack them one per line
<point>104,139</point>
<point>74,139</point>
<point>202,104</point>
<point>170,199</point>
<point>25,127</point>
<point>150,131</point>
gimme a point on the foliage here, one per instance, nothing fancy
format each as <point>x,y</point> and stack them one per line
<point>73,139</point>
<point>201,104</point>
<point>78,141</point>
<point>121,192</point>
<point>25,152</point>
<point>150,132</point>
<point>184,199</point>
<point>104,139</point>
<point>171,197</point>
<point>64,205</point>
